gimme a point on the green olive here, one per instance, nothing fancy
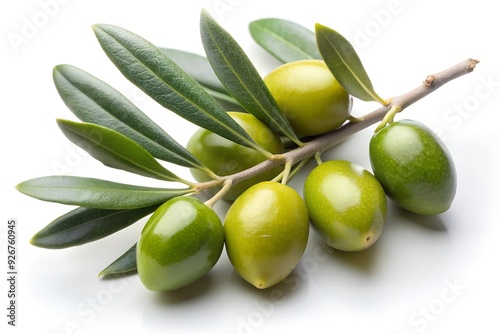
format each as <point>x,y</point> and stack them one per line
<point>225,157</point>
<point>414,167</point>
<point>346,204</point>
<point>179,244</point>
<point>266,231</point>
<point>311,98</point>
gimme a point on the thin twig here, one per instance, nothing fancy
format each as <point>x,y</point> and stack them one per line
<point>323,143</point>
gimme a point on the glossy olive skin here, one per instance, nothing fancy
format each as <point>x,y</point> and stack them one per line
<point>225,157</point>
<point>346,204</point>
<point>311,98</point>
<point>266,231</point>
<point>414,167</point>
<point>179,244</point>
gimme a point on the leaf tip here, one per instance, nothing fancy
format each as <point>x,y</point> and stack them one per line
<point>204,12</point>
<point>97,26</point>
<point>37,240</point>
<point>57,69</point>
<point>319,26</point>
<point>101,28</point>
<point>106,272</point>
<point>205,15</point>
<point>21,187</point>
<point>253,25</point>
<point>33,241</point>
<point>63,122</point>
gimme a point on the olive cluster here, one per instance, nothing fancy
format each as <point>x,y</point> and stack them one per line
<point>266,228</point>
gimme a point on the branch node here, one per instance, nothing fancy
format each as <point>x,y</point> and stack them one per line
<point>429,81</point>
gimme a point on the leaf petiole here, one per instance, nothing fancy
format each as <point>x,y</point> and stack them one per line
<point>220,194</point>
<point>389,117</point>
<point>317,156</point>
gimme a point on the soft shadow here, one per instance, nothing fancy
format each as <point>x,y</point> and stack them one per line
<point>435,222</point>
<point>363,261</point>
<point>187,293</point>
<point>291,285</point>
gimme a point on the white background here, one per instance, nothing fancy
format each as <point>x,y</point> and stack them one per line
<point>425,275</point>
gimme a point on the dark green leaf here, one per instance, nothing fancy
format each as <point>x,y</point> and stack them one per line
<point>83,225</point>
<point>285,40</point>
<point>239,76</point>
<point>344,63</point>
<point>161,78</point>
<point>199,68</point>
<point>127,262</point>
<point>96,193</point>
<point>94,101</point>
<point>114,149</point>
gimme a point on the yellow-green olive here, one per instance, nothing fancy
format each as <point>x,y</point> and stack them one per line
<point>266,231</point>
<point>225,157</point>
<point>347,205</point>
<point>311,98</point>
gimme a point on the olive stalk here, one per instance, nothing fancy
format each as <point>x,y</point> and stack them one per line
<point>220,194</point>
<point>320,144</point>
<point>389,117</point>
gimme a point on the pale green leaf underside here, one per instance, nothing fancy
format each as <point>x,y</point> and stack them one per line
<point>287,41</point>
<point>96,193</point>
<point>114,149</point>
<point>199,68</point>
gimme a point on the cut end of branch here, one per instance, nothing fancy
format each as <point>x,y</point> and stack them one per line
<point>472,64</point>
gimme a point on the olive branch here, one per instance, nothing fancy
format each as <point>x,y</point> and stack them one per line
<point>384,114</point>
<point>200,89</point>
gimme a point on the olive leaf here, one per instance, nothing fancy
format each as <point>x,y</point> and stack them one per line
<point>96,193</point>
<point>287,41</point>
<point>199,68</point>
<point>345,65</point>
<point>127,262</point>
<point>114,149</point>
<point>84,225</point>
<point>94,101</point>
<point>239,76</point>
<point>157,75</point>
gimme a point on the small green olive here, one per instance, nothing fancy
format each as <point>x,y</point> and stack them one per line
<point>414,167</point>
<point>346,204</point>
<point>311,98</point>
<point>225,157</point>
<point>266,232</point>
<point>179,244</point>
